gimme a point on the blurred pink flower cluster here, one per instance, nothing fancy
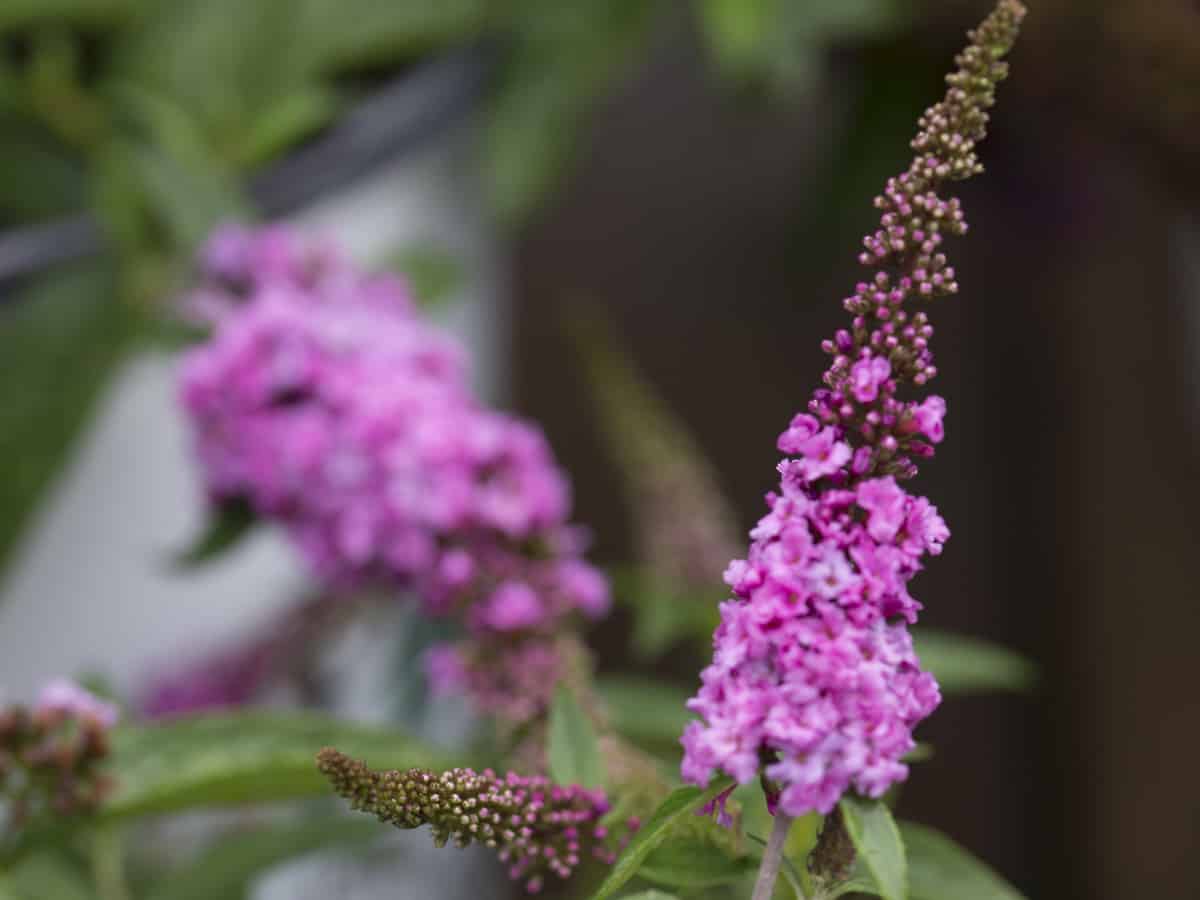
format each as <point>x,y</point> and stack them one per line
<point>327,401</point>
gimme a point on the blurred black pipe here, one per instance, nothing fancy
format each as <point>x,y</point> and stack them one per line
<point>398,118</point>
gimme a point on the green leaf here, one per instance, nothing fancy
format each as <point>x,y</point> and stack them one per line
<point>940,869</point>
<point>19,14</point>
<point>573,752</point>
<point>666,613</point>
<point>693,864</point>
<point>654,831</point>
<point>649,895</point>
<point>222,63</point>
<point>856,885</point>
<point>968,665</point>
<point>60,341</point>
<point>45,876</point>
<point>228,524</point>
<point>433,274</point>
<point>189,199</point>
<point>291,119</point>
<point>877,840</point>
<point>564,56</point>
<point>645,709</point>
<point>38,177</point>
<point>737,29</point>
<point>239,758</point>
<point>352,34</point>
<point>227,868</point>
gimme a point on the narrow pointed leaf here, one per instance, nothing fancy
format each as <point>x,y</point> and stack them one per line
<point>653,832</point>
<point>244,757</point>
<point>964,664</point>
<point>227,525</point>
<point>643,709</point>
<point>877,840</point>
<point>692,864</point>
<point>940,869</point>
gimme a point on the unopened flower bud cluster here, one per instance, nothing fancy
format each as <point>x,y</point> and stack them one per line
<point>539,829</point>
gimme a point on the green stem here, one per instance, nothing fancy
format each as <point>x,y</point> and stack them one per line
<point>768,871</point>
<point>108,865</point>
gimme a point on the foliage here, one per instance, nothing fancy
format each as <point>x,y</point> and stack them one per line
<point>654,832</point>
<point>967,665</point>
<point>239,758</point>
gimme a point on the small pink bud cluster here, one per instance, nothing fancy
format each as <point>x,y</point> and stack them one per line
<point>814,681</point>
<point>51,758</point>
<point>538,828</point>
<point>325,401</point>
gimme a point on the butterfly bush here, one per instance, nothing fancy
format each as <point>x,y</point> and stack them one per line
<point>538,828</point>
<point>330,405</point>
<point>814,683</point>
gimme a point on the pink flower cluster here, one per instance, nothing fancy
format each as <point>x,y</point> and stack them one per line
<point>327,402</point>
<point>814,682</point>
<point>813,670</point>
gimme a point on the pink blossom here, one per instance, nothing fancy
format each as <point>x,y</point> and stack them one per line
<point>821,455</point>
<point>802,427</point>
<point>928,417</point>
<point>885,501</point>
<point>511,607</point>
<point>65,696</point>
<point>867,376</point>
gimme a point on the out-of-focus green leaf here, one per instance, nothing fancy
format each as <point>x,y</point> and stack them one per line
<point>226,869</point>
<point>433,274</point>
<point>38,177</point>
<point>649,895</point>
<point>665,614</point>
<point>289,120</point>
<point>877,840</point>
<point>692,864</point>
<point>239,758</point>
<point>573,752</point>
<point>564,55</point>
<point>228,524</point>
<point>189,200</point>
<point>645,709</point>
<point>19,14</point>
<point>653,832</point>
<point>355,33</point>
<point>45,875</point>
<point>940,869</point>
<point>737,29</point>
<point>224,63</point>
<point>781,41</point>
<point>60,340</point>
<point>964,665</point>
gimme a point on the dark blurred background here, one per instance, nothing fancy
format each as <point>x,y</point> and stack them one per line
<point>701,175</point>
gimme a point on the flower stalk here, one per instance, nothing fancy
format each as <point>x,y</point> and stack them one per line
<point>772,861</point>
<point>814,681</point>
